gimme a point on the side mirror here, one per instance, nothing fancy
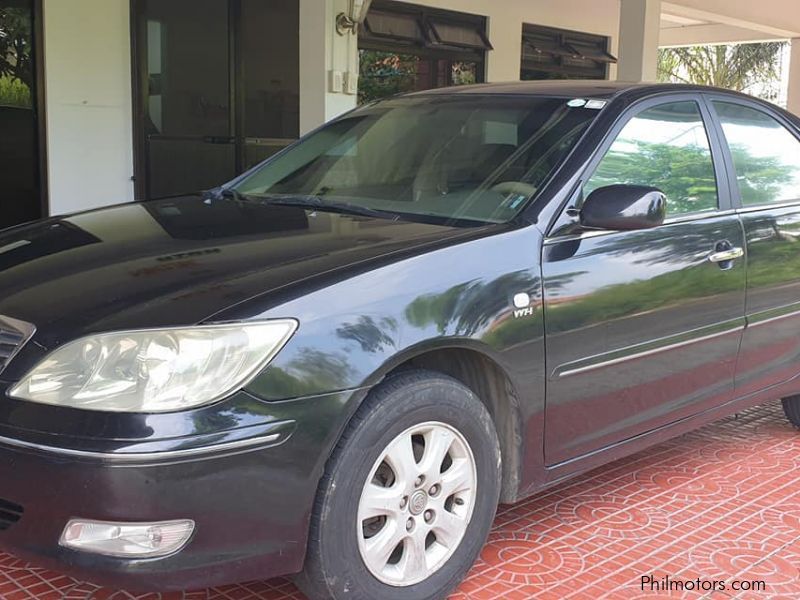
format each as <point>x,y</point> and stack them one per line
<point>624,208</point>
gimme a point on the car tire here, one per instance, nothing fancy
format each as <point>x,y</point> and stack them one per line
<point>373,495</point>
<point>791,407</point>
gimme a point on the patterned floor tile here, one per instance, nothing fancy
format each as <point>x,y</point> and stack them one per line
<point>716,507</point>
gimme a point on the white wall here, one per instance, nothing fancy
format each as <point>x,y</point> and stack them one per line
<point>88,78</point>
<point>89,103</point>
<point>322,51</point>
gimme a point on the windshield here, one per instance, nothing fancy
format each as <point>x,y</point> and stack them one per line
<point>471,158</point>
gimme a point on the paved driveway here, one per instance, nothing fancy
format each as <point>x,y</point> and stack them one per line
<point>721,504</point>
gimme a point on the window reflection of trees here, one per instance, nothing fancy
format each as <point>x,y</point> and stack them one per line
<point>665,147</point>
<point>766,155</point>
<point>684,173</point>
<point>16,57</point>
<point>773,260</point>
<point>479,308</point>
<point>761,178</point>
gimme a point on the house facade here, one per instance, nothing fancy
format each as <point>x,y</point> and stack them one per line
<point>108,101</point>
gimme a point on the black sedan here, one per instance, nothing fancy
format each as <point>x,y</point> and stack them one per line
<point>339,363</point>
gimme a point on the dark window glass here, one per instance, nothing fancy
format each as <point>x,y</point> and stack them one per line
<point>472,158</point>
<point>188,94</point>
<point>766,155</point>
<point>19,153</point>
<point>271,68</point>
<point>187,67</point>
<point>665,147</point>
<point>221,89</point>
<point>549,53</point>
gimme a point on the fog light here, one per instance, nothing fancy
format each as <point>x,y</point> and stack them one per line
<point>131,540</point>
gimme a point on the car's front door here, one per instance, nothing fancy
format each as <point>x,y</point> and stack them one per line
<point>643,327</point>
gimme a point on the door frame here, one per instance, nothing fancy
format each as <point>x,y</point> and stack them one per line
<point>138,87</point>
<point>716,145</point>
<point>40,107</point>
<point>39,100</point>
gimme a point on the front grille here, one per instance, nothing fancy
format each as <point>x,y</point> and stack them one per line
<point>10,513</point>
<point>13,335</point>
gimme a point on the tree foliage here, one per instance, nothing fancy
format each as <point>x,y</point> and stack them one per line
<point>686,176</point>
<point>384,74</point>
<point>16,53</point>
<point>684,173</point>
<point>734,67</point>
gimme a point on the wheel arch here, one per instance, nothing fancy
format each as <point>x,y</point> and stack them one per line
<point>472,365</point>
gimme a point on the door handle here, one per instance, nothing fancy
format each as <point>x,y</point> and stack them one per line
<point>726,255</point>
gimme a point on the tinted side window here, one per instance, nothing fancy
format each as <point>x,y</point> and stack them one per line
<point>766,155</point>
<point>665,147</point>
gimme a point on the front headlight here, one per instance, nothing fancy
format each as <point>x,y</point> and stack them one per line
<point>157,370</point>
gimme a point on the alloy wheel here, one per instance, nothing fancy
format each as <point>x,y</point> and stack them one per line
<point>416,504</point>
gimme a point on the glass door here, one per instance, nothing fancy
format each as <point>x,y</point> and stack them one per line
<point>269,80</point>
<point>20,190</point>
<point>218,85</point>
<point>186,122</point>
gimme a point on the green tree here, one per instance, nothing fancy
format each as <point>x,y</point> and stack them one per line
<point>734,67</point>
<point>16,58</point>
<point>384,74</point>
<point>16,53</point>
<point>686,176</point>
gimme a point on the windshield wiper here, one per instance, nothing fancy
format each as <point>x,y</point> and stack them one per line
<point>319,203</point>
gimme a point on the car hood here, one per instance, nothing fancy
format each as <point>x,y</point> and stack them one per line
<point>181,260</point>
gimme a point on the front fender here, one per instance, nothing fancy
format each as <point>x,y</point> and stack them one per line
<point>355,330</point>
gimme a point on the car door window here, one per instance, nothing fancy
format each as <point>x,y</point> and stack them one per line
<point>666,147</point>
<point>766,155</point>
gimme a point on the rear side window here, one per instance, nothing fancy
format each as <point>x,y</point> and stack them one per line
<point>766,154</point>
<point>665,147</point>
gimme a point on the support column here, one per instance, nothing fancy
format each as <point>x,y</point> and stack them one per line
<point>794,78</point>
<point>639,29</point>
<point>504,62</point>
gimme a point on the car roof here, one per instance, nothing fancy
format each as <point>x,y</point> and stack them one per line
<point>579,88</point>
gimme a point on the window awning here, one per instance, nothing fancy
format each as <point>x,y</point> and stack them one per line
<point>595,52</point>
<point>459,35</point>
<point>395,26</point>
<point>425,28</point>
<point>540,44</point>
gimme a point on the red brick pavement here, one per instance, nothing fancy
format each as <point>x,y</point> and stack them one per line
<point>721,503</point>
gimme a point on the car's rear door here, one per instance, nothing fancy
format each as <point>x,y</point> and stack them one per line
<point>763,150</point>
<point>642,328</point>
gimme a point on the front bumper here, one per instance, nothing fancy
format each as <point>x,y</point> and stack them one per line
<point>251,500</point>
